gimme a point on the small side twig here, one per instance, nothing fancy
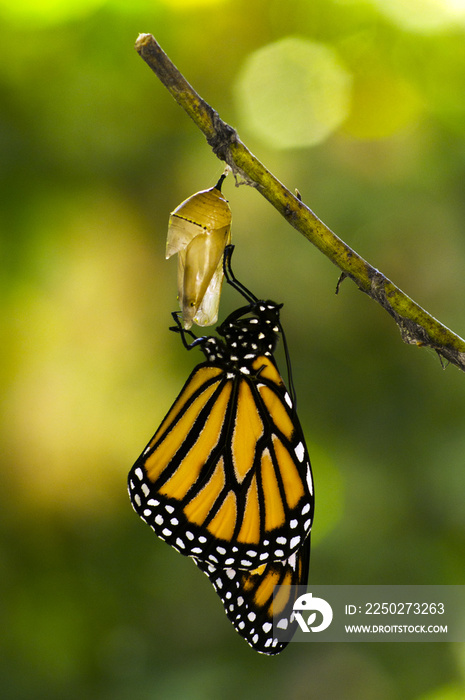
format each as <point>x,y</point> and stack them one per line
<point>417,326</point>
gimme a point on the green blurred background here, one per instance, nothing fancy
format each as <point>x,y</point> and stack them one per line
<point>360,104</point>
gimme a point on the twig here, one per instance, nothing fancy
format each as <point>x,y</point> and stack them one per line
<point>417,326</point>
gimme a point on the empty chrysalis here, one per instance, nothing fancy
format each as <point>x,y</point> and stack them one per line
<point>199,230</point>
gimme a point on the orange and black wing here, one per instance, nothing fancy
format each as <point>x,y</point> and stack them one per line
<point>226,478</point>
<point>262,614</point>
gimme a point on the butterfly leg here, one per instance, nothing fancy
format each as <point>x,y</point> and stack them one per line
<point>178,328</point>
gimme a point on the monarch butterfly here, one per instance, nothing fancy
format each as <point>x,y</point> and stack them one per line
<point>199,229</point>
<point>226,479</point>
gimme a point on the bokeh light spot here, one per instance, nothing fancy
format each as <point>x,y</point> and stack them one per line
<point>293,93</point>
<point>423,16</point>
<point>47,12</point>
<point>191,4</point>
<point>447,692</point>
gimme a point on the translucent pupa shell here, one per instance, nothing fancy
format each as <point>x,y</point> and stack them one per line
<point>198,231</point>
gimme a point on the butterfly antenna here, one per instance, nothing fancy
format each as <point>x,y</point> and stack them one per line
<point>289,370</point>
<point>230,278</point>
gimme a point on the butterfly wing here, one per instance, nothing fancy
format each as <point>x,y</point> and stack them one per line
<point>226,478</point>
<point>260,613</point>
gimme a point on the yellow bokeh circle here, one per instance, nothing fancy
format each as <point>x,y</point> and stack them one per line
<point>293,93</point>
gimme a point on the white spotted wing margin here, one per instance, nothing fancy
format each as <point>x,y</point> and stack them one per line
<point>259,603</point>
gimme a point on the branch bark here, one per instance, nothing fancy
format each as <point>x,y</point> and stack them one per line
<point>417,326</point>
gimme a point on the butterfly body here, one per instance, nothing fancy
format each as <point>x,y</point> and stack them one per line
<point>226,479</point>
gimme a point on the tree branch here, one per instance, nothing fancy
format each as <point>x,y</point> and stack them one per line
<point>417,326</point>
